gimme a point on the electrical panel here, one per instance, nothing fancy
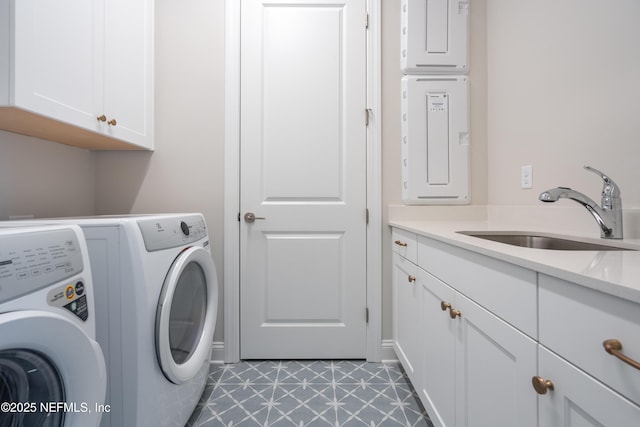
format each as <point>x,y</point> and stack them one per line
<point>435,140</point>
<point>434,36</point>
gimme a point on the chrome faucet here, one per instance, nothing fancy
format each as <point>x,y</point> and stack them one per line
<point>608,217</point>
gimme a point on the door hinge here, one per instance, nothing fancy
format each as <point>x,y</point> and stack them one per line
<point>366,21</point>
<point>366,315</point>
<point>366,213</point>
<point>367,114</point>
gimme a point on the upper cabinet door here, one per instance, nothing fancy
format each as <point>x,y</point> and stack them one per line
<point>78,72</point>
<point>58,59</point>
<point>128,70</point>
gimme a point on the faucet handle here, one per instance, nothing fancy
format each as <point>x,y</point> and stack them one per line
<point>610,190</point>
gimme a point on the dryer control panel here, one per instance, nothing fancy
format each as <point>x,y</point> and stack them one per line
<point>171,232</point>
<point>33,260</point>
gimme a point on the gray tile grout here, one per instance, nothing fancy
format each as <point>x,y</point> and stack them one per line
<point>347,370</point>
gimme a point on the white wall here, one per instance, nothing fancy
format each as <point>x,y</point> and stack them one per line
<point>44,179</point>
<point>564,91</point>
<point>185,173</point>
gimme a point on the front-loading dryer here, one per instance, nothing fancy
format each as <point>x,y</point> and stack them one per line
<point>52,371</point>
<point>157,282</point>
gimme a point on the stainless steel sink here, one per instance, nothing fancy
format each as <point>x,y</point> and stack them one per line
<point>541,241</point>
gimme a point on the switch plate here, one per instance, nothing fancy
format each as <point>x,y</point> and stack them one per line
<point>526,177</point>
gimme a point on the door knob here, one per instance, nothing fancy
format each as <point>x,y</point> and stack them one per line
<point>112,122</point>
<point>251,217</point>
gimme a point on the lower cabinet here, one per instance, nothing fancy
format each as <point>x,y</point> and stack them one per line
<point>480,354</point>
<point>406,315</point>
<point>438,340</point>
<point>476,369</point>
<point>572,398</point>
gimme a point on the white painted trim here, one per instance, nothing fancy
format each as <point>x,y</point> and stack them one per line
<point>217,352</point>
<point>388,353</point>
<point>374,184</point>
<point>231,348</point>
<point>232,183</point>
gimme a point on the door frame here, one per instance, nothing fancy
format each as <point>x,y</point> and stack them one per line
<point>231,265</point>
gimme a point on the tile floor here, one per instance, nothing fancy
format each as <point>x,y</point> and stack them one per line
<point>308,393</point>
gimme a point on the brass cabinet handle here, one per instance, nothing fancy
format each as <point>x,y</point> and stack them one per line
<point>399,243</point>
<point>541,385</point>
<point>112,122</point>
<point>102,118</point>
<point>411,279</point>
<point>614,347</point>
<point>454,313</point>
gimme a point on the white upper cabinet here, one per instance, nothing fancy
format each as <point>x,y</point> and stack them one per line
<point>78,72</point>
<point>434,36</point>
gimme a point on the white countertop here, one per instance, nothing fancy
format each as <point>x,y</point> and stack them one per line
<point>613,272</point>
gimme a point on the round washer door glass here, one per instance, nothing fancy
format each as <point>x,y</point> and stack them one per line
<point>186,318</point>
<point>186,315</point>
<point>29,380</point>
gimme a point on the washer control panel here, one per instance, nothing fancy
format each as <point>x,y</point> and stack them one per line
<point>171,232</point>
<point>33,260</point>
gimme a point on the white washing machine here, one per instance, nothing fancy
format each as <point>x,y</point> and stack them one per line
<point>157,284</point>
<point>52,371</point>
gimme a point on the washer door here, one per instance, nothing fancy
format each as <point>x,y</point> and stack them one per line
<point>186,315</point>
<point>51,373</point>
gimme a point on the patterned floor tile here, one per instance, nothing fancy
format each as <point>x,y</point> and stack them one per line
<point>309,394</point>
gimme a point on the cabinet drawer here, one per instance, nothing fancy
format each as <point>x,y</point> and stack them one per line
<point>579,400</point>
<point>405,244</point>
<point>574,323</point>
<point>507,290</point>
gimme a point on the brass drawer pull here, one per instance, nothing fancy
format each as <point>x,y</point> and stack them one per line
<point>411,279</point>
<point>614,347</point>
<point>454,313</point>
<point>541,385</point>
<point>399,243</point>
<point>102,118</point>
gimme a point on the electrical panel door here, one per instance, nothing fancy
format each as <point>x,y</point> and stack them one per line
<point>434,36</point>
<point>435,140</point>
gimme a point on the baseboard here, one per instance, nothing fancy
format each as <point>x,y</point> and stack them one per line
<point>217,352</point>
<point>386,350</point>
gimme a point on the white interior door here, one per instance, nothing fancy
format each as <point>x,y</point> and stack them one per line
<point>303,170</point>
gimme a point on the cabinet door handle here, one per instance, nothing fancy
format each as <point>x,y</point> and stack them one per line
<point>411,279</point>
<point>102,118</point>
<point>541,385</point>
<point>454,313</point>
<point>399,243</point>
<point>614,347</point>
<point>444,305</point>
<point>112,122</point>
